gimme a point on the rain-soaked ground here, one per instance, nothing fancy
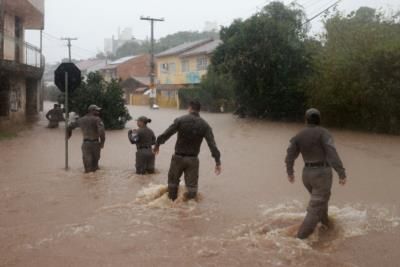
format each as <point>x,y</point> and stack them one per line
<point>245,217</point>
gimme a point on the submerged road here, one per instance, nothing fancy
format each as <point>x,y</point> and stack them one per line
<point>245,217</point>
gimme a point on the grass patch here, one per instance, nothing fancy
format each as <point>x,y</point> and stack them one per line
<point>7,135</point>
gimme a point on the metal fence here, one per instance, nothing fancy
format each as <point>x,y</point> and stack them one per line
<point>19,51</point>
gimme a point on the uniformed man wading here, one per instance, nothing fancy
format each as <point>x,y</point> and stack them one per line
<point>191,129</point>
<point>144,139</point>
<point>317,148</point>
<point>93,137</point>
<point>54,116</point>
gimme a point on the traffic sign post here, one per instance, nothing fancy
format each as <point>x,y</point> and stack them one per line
<point>67,78</point>
<point>66,120</point>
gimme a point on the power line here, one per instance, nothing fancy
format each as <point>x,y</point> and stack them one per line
<point>320,6</point>
<point>86,50</point>
<point>322,12</point>
<point>52,37</point>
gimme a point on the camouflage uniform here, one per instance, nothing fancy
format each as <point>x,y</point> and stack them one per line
<point>93,140</point>
<point>54,116</point>
<point>191,129</point>
<point>318,150</point>
<point>144,139</point>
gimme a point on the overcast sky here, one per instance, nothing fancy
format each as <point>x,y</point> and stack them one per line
<point>93,20</point>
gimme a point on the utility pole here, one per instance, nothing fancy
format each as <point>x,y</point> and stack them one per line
<point>153,94</point>
<point>68,39</point>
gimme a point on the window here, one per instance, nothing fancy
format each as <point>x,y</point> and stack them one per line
<point>164,67</point>
<point>185,65</point>
<point>202,63</point>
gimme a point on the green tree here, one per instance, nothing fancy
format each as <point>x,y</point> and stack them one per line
<point>108,95</point>
<point>267,59</point>
<point>357,80</point>
<point>132,48</point>
<point>216,91</point>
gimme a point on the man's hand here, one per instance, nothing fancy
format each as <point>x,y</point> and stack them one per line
<point>156,150</point>
<point>132,131</point>
<point>343,181</point>
<point>218,169</point>
<point>291,179</point>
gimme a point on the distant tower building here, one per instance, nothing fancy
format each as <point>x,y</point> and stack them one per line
<point>211,26</point>
<point>108,46</point>
<point>112,45</point>
<point>126,34</point>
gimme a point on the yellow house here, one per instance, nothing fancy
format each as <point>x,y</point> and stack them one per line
<point>182,67</point>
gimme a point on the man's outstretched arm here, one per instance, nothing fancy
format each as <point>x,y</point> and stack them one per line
<point>166,135</point>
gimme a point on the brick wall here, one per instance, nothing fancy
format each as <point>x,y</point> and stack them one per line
<point>139,67</point>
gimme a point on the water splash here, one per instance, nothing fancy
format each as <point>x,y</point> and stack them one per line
<point>156,196</point>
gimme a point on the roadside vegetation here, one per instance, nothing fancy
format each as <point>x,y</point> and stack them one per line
<point>275,70</point>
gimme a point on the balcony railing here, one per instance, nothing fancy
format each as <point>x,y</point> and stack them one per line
<point>21,52</point>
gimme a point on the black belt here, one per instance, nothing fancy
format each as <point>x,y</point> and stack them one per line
<point>316,164</point>
<point>91,140</point>
<point>143,147</point>
<point>185,155</point>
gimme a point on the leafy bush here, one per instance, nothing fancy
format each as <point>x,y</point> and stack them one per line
<point>108,95</point>
<point>357,80</point>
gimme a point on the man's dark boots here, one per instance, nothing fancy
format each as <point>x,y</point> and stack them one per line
<point>190,195</point>
<point>172,193</point>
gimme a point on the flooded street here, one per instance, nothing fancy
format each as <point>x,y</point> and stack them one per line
<point>245,217</point>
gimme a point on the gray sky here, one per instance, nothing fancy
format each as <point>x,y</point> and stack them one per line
<point>93,20</point>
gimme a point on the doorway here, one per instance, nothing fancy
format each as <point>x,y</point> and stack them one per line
<point>31,97</point>
<point>4,96</point>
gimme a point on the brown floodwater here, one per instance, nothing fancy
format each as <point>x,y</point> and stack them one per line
<point>245,217</point>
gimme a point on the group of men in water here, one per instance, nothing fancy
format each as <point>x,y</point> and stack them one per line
<point>314,143</point>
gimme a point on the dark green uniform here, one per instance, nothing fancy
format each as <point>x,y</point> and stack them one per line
<point>54,116</point>
<point>317,148</point>
<point>191,129</point>
<point>93,140</point>
<point>144,139</point>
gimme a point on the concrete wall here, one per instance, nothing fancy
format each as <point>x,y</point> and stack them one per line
<point>24,99</point>
<point>17,99</point>
<point>17,107</point>
<point>31,11</point>
<point>38,4</point>
<point>9,32</point>
<point>9,41</point>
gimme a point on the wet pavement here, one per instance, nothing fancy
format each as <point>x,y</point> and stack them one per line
<point>245,217</point>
